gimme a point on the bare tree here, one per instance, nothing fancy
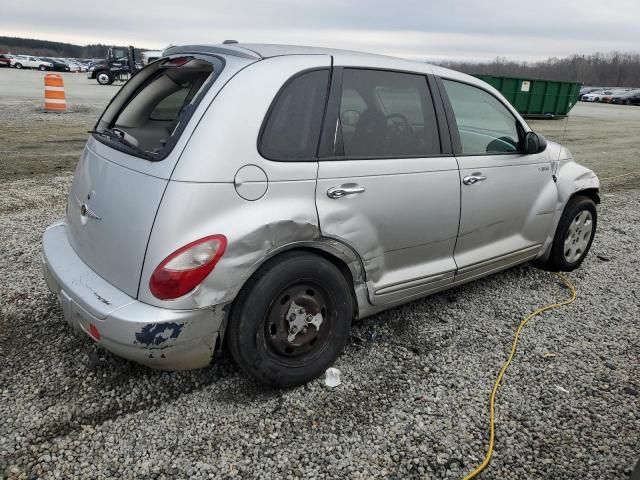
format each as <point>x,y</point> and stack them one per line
<point>613,69</point>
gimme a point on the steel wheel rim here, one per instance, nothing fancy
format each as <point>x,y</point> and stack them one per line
<point>578,236</point>
<point>103,78</point>
<point>298,323</point>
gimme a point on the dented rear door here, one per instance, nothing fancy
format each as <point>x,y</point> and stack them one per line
<point>387,190</point>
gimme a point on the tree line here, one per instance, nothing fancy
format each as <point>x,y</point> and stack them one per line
<point>613,69</point>
<point>46,48</point>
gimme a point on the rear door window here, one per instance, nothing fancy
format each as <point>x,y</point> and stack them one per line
<point>387,115</point>
<point>148,115</point>
<point>292,128</point>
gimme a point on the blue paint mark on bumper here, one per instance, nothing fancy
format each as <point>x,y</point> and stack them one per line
<point>155,334</point>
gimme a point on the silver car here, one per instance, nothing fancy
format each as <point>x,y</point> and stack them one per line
<point>263,196</point>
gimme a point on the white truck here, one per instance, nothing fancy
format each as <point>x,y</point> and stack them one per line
<point>150,56</point>
<point>29,61</point>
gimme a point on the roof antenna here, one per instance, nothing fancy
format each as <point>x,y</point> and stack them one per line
<point>227,42</point>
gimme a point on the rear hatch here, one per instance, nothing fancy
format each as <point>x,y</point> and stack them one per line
<point>126,165</point>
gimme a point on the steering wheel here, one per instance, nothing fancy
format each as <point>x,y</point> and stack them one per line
<point>399,125</point>
<point>502,145</point>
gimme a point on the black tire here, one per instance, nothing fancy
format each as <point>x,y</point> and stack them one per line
<point>105,77</point>
<point>558,261</point>
<point>42,68</point>
<point>259,331</point>
<point>19,66</point>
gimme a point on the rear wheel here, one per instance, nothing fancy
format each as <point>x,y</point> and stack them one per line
<point>105,78</point>
<point>18,66</point>
<point>291,321</point>
<point>574,235</point>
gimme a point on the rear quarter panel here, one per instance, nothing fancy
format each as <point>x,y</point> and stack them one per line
<point>284,215</point>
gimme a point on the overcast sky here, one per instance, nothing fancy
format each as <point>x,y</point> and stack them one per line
<point>419,29</point>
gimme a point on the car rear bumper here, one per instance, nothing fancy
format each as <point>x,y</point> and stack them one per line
<point>153,336</point>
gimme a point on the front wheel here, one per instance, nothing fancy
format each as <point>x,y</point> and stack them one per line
<point>105,78</point>
<point>18,66</point>
<point>291,321</point>
<point>42,68</point>
<point>574,235</point>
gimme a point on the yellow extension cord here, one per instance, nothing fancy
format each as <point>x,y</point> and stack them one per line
<point>504,368</point>
<point>514,345</point>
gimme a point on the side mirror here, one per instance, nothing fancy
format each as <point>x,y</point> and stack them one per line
<point>534,143</point>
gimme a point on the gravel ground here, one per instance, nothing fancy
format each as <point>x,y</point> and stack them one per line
<point>33,142</point>
<point>416,380</point>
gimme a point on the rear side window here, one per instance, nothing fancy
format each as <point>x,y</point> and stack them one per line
<point>387,115</point>
<point>292,128</point>
<point>485,125</point>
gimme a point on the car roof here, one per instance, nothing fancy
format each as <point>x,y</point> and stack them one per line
<point>260,51</point>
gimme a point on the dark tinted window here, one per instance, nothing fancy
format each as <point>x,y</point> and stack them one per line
<point>292,128</point>
<point>387,114</point>
<point>484,123</point>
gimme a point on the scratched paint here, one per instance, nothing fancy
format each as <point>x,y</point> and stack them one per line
<point>155,334</point>
<point>102,299</point>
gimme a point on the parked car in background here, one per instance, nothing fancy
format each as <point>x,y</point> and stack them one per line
<point>82,67</point>
<point>73,66</point>
<point>628,97</point>
<point>585,90</point>
<point>57,65</point>
<point>5,60</point>
<point>336,185</point>
<point>596,96</point>
<point>29,61</point>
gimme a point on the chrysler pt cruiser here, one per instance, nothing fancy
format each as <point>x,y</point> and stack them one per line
<point>263,196</point>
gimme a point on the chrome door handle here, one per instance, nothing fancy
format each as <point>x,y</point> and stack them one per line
<point>473,178</point>
<point>339,192</point>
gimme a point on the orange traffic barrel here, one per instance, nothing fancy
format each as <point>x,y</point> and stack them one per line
<point>54,100</point>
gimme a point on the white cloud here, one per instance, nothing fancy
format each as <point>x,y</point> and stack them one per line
<point>420,29</point>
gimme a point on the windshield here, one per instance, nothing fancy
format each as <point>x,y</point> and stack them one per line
<point>149,113</point>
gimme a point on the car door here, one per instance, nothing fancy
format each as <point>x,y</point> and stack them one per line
<point>32,62</point>
<point>386,186</point>
<point>508,197</point>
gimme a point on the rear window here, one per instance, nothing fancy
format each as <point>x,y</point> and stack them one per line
<point>150,112</point>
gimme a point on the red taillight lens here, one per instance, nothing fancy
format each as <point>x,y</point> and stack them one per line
<point>184,269</point>
<point>176,62</point>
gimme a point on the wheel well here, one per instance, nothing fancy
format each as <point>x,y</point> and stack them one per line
<point>344,269</point>
<point>340,265</point>
<point>592,193</point>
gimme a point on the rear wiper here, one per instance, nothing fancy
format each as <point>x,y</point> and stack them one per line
<point>114,136</point>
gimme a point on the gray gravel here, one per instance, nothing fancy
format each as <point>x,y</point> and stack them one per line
<point>416,381</point>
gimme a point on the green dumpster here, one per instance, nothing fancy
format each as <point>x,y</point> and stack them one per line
<point>537,98</point>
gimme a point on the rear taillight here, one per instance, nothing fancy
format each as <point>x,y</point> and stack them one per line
<point>187,267</point>
<point>175,62</point>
